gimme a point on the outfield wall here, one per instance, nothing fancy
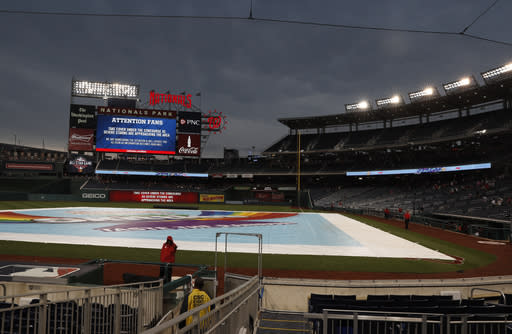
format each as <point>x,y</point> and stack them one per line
<point>293,294</point>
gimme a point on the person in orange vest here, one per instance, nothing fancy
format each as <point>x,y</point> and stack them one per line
<point>168,255</point>
<point>407,217</point>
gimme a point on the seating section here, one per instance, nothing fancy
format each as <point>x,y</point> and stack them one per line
<point>407,305</point>
<point>477,195</point>
<point>66,317</point>
<point>467,126</point>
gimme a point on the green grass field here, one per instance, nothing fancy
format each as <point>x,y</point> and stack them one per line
<point>473,258</point>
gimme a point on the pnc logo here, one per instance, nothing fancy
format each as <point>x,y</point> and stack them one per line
<point>194,122</point>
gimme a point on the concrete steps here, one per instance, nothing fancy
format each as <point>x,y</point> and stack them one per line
<point>273,322</point>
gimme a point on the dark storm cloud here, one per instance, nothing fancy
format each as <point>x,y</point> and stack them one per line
<point>254,72</point>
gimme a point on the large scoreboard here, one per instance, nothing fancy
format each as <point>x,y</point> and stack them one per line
<point>120,126</point>
<point>134,130</point>
<point>136,134</point>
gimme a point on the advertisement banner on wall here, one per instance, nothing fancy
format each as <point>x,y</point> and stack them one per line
<point>189,145</point>
<point>80,165</point>
<point>211,198</point>
<point>269,196</point>
<point>94,195</point>
<point>153,196</point>
<point>82,116</point>
<point>42,167</point>
<point>189,121</point>
<point>81,140</point>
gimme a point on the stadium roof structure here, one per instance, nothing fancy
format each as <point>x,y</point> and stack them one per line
<point>475,95</point>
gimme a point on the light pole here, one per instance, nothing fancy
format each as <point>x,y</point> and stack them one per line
<point>298,168</point>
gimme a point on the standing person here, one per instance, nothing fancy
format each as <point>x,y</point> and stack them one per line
<point>168,255</point>
<point>195,298</point>
<point>386,213</point>
<point>407,217</point>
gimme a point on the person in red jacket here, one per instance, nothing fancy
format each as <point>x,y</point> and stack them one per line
<point>168,255</point>
<point>386,213</point>
<point>407,217</point>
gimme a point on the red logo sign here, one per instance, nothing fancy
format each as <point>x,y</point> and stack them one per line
<point>216,121</point>
<point>81,139</point>
<point>184,100</point>
<point>153,196</point>
<point>189,144</point>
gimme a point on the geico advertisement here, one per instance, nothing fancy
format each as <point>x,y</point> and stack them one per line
<point>96,196</point>
<point>215,198</point>
<point>153,196</point>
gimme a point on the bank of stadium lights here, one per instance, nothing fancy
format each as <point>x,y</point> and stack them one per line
<point>460,85</point>
<point>425,94</point>
<point>104,89</point>
<point>498,74</point>
<point>360,106</point>
<point>395,100</point>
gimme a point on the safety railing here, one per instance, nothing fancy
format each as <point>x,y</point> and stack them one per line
<point>228,313</point>
<point>127,308</point>
<point>478,323</point>
<point>351,321</point>
<point>360,321</point>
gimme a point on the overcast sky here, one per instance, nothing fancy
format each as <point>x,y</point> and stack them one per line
<point>254,72</point>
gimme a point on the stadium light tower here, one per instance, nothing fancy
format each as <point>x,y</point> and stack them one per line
<point>423,95</point>
<point>83,88</point>
<point>360,106</point>
<point>498,74</point>
<point>461,85</point>
<point>393,101</point>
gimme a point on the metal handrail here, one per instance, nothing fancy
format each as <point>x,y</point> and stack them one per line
<point>490,290</point>
<point>219,302</point>
<point>108,287</point>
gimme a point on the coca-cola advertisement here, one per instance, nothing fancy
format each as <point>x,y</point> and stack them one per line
<point>81,140</point>
<point>189,145</point>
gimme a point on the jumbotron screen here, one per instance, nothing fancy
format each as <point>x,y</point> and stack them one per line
<point>135,134</point>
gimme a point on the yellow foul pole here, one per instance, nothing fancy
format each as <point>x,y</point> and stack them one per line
<point>298,168</point>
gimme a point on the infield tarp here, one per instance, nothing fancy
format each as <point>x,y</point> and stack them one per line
<point>283,232</point>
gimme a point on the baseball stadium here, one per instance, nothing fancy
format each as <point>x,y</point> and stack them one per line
<point>393,216</point>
